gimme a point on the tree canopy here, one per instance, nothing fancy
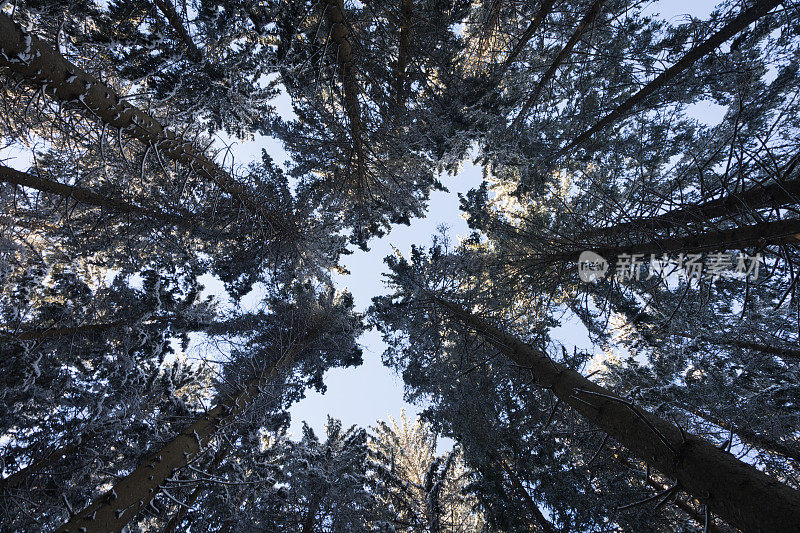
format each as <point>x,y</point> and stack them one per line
<point>641,191</point>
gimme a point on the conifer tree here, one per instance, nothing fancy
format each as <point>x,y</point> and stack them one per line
<point>652,439</point>
<point>321,332</point>
<point>599,125</point>
<point>420,489</point>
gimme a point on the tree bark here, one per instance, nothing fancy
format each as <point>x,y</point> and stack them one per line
<point>764,233</point>
<point>44,68</point>
<point>739,493</point>
<point>113,510</point>
<point>583,25</point>
<point>759,9</point>
<point>30,181</point>
<point>344,54</point>
<point>774,195</point>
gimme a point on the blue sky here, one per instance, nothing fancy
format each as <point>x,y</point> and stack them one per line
<point>370,392</point>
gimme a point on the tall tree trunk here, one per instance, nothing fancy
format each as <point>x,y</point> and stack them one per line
<point>774,195</point>
<point>763,233</point>
<point>536,22</point>
<point>742,495</point>
<point>583,25</point>
<point>344,55</point>
<point>113,510</point>
<point>403,45</point>
<point>44,68</point>
<point>30,181</point>
<point>759,9</point>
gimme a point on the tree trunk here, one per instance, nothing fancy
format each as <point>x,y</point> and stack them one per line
<point>44,68</point>
<point>544,10</point>
<point>759,9</point>
<point>113,510</point>
<point>742,495</point>
<point>403,45</point>
<point>24,179</point>
<point>763,233</point>
<point>583,25</point>
<point>344,55</point>
<point>774,195</point>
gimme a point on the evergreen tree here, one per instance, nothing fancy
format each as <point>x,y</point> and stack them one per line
<point>321,333</point>
<point>361,143</point>
<point>420,287</point>
<point>588,120</point>
<point>322,486</point>
<point>420,490</point>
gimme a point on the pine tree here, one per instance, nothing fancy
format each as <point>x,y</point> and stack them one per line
<point>111,380</point>
<point>322,334</point>
<point>322,485</point>
<point>351,147</point>
<point>654,440</point>
<point>40,65</point>
<point>419,489</point>
<point>588,120</point>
